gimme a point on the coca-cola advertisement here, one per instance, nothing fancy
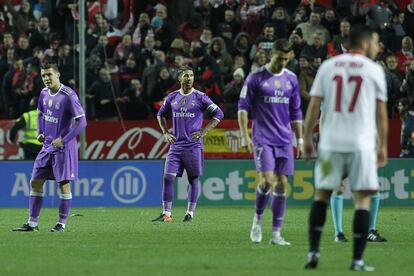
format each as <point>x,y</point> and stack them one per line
<point>144,140</point>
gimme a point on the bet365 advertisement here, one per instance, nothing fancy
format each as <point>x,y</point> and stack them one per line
<point>225,182</point>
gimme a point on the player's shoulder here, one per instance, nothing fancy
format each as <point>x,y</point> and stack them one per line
<point>289,73</point>
<point>173,94</point>
<point>199,93</point>
<point>66,90</point>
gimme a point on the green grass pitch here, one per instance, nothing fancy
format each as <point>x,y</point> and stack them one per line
<point>123,241</point>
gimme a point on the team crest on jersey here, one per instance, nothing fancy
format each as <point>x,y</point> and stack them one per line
<point>278,84</point>
<point>288,85</point>
<point>57,106</point>
<point>50,103</point>
<point>183,102</point>
<point>192,103</point>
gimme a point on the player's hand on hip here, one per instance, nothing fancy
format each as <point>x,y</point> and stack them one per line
<point>170,138</point>
<point>41,138</point>
<point>57,143</point>
<point>198,135</point>
<point>382,156</point>
<point>307,148</point>
<point>247,143</point>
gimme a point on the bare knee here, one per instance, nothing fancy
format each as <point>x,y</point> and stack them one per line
<point>64,187</point>
<point>281,182</point>
<point>323,195</point>
<point>37,185</point>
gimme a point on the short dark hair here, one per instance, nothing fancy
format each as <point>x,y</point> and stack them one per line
<point>282,45</point>
<point>358,34</point>
<point>184,68</point>
<point>50,65</point>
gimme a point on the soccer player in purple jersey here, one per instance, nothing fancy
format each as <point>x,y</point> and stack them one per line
<point>272,97</point>
<point>61,118</point>
<point>187,107</point>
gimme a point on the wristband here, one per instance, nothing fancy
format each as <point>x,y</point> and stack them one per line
<point>300,141</point>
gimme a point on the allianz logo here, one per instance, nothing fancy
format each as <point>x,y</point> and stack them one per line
<point>128,185</point>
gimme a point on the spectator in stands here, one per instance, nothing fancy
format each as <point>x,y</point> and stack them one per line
<point>23,48</point>
<point>339,40</point>
<point>409,20</point>
<point>132,102</point>
<point>41,35</point>
<point>317,49</point>
<point>408,83</point>
<point>406,54</point>
<point>123,49</point>
<point>231,20</point>
<point>265,40</point>
<point>181,9</point>
<point>296,38</point>
<point>15,95</point>
<point>192,29</point>
<point>163,86</point>
<point>36,58</point>
<point>8,43</point>
<point>142,30</point>
<point>231,94</point>
<point>151,73</point>
<point>21,17</point>
<point>103,50</point>
<point>218,50</point>
<point>65,62</point>
<point>281,22</point>
<point>259,61</point>
<point>306,76</point>
<point>330,22</point>
<point>103,92</point>
<point>249,15</point>
<point>398,29</point>
<point>394,80</point>
<point>313,26</point>
<point>242,45</point>
<point>129,70</point>
<point>207,74</point>
<point>405,107</point>
<point>165,33</point>
<point>227,36</point>
<point>206,37</point>
<point>205,10</point>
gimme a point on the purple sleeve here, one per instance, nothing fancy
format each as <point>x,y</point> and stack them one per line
<point>165,108</point>
<point>212,108</point>
<point>294,104</point>
<point>247,93</point>
<point>40,122</point>
<point>76,108</point>
<point>80,124</point>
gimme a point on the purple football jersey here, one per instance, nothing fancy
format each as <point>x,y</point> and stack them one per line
<point>58,112</point>
<point>274,102</point>
<point>187,116</point>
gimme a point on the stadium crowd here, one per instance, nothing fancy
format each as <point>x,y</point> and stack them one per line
<point>134,48</point>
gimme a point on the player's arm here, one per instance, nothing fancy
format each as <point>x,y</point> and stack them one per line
<point>296,117</point>
<point>40,123</point>
<point>19,124</point>
<point>297,127</point>
<point>382,130</point>
<point>245,103</point>
<point>162,122</point>
<point>310,121</point>
<point>79,125</point>
<point>217,115</point>
<point>381,118</point>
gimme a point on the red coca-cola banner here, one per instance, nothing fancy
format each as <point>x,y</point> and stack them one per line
<point>144,140</point>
